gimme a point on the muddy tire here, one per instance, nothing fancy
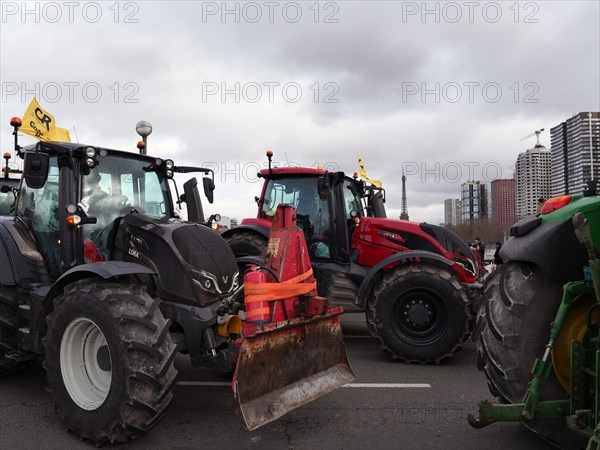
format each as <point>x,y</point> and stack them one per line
<point>513,329</point>
<point>419,313</point>
<point>247,244</point>
<point>12,360</point>
<point>340,290</point>
<point>109,360</point>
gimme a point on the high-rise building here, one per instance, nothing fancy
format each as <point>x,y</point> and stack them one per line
<point>452,211</point>
<point>473,201</point>
<point>571,142</point>
<point>532,175</point>
<point>504,210</point>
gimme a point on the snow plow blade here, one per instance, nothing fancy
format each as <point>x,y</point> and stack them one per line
<point>284,365</point>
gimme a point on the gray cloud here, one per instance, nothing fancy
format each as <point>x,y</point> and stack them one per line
<point>374,56</point>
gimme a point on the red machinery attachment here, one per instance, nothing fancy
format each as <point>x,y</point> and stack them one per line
<point>292,350</point>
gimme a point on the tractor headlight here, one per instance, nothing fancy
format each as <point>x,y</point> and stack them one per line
<point>169,174</point>
<point>90,162</point>
<point>236,282</point>
<point>90,152</point>
<point>206,281</point>
<point>169,164</point>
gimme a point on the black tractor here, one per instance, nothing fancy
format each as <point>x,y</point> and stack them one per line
<point>100,277</point>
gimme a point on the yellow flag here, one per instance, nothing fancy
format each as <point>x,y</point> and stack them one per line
<point>363,174</point>
<point>40,124</point>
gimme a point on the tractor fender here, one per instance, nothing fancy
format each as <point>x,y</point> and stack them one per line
<point>255,228</point>
<point>43,296</point>
<point>105,270</point>
<point>377,271</point>
<point>553,247</point>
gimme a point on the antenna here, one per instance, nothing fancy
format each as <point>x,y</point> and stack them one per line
<point>537,135</point>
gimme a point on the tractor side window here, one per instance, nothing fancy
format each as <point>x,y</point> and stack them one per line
<point>40,208</point>
<point>7,199</point>
<point>351,199</point>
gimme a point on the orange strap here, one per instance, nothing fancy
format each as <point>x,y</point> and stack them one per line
<point>267,292</point>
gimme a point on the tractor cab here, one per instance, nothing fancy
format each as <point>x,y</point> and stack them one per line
<point>91,189</point>
<point>326,238</point>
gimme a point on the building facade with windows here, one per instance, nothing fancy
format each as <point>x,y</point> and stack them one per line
<point>574,141</point>
<point>532,175</point>
<point>452,211</point>
<point>504,211</point>
<point>473,201</point>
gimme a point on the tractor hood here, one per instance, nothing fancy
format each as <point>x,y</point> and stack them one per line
<point>400,235</point>
<point>194,263</point>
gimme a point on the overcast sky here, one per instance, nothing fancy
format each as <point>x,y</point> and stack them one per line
<point>445,90</point>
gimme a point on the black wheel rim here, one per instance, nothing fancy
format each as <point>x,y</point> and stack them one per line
<point>420,316</point>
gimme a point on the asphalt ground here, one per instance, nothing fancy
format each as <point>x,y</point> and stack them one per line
<point>392,407</point>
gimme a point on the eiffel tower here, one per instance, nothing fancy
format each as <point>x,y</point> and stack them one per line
<point>404,210</point>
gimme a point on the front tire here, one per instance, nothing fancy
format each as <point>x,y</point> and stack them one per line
<point>419,313</point>
<point>109,360</point>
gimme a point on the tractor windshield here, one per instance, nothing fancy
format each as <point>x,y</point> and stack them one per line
<point>312,212</point>
<point>118,185</point>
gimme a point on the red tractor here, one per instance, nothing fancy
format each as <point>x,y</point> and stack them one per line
<point>415,281</point>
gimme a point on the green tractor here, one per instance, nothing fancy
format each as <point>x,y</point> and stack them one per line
<point>538,329</point>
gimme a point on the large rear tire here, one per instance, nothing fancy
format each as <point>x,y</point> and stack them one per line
<point>12,360</point>
<point>513,328</point>
<point>247,244</point>
<point>419,313</point>
<point>109,360</point>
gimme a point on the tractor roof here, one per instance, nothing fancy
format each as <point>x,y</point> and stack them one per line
<point>63,147</point>
<point>292,171</point>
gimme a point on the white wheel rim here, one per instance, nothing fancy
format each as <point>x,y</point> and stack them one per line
<point>85,363</point>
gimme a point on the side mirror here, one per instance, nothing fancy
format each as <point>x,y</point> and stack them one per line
<point>376,202</point>
<point>192,200</point>
<point>209,187</point>
<point>35,169</point>
<point>324,187</point>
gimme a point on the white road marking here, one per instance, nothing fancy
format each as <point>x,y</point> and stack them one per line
<point>351,385</point>
<point>203,383</point>
<point>387,385</point>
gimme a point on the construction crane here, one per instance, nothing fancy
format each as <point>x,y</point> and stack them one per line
<point>537,135</point>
